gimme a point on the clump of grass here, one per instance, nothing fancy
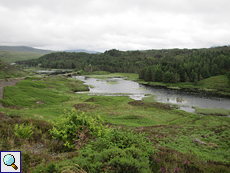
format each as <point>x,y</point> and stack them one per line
<point>151,98</point>
<point>111,82</point>
<point>100,73</point>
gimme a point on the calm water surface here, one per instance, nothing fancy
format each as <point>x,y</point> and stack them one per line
<point>137,91</point>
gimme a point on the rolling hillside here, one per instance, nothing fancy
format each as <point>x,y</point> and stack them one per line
<point>11,54</point>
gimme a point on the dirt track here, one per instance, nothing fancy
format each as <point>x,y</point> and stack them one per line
<point>4,83</point>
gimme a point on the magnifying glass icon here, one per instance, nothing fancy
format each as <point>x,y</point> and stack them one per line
<point>9,160</point>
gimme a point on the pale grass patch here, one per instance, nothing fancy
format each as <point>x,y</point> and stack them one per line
<point>128,107</point>
<point>73,169</point>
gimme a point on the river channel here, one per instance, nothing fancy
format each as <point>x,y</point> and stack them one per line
<point>185,101</point>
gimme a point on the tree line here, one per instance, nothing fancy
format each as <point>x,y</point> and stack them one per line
<point>166,65</point>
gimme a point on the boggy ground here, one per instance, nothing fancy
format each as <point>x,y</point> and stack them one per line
<point>170,131</point>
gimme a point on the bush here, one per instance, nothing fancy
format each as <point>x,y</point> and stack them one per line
<point>75,127</point>
<point>24,132</point>
<point>123,140</point>
<point>118,151</point>
<point>114,159</point>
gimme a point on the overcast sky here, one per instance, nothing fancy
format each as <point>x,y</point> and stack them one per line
<point>114,24</point>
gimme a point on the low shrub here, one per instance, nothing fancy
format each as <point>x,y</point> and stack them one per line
<point>118,151</point>
<point>24,132</point>
<point>75,127</point>
<point>114,160</point>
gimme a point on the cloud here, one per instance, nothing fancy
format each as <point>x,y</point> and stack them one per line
<point>102,25</point>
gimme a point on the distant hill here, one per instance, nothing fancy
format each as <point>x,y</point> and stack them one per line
<point>82,50</point>
<point>12,54</point>
<point>23,49</point>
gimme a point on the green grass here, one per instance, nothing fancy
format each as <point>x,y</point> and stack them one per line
<point>100,73</point>
<point>170,131</point>
<point>209,111</point>
<point>151,98</point>
<point>214,131</point>
<point>39,92</point>
<point>216,82</point>
<point>128,76</point>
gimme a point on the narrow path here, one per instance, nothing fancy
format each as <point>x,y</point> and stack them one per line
<point>4,83</point>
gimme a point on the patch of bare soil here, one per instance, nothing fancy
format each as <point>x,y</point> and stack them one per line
<point>83,106</point>
<point>4,83</point>
<point>15,107</point>
<point>3,117</point>
<point>150,104</point>
<point>90,100</point>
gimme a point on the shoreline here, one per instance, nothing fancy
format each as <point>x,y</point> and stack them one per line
<point>193,89</point>
<point>198,90</point>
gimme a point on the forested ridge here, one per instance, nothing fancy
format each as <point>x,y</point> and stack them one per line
<point>166,65</point>
<point>192,67</point>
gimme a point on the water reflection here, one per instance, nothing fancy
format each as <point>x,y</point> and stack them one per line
<point>176,100</point>
<point>137,91</point>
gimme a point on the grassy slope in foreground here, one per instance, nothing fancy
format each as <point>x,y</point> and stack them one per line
<point>171,132</point>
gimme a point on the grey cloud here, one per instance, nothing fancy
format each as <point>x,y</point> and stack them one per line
<point>125,25</point>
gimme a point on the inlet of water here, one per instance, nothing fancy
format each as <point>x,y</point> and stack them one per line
<point>185,101</point>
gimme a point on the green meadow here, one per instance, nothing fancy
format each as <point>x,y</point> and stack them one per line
<point>64,131</point>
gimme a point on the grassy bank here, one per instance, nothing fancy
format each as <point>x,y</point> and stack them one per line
<point>105,75</point>
<point>161,139</point>
<point>208,111</point>
<point>218,85</point>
